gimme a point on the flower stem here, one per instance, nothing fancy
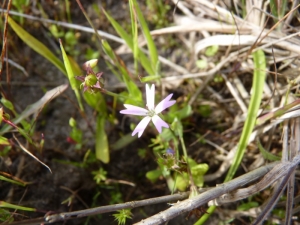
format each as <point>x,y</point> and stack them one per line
<point>194,190</point>
<point>114,94</point>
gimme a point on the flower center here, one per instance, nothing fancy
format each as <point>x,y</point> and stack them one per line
<point>90,80</point>
<point>151,113</point>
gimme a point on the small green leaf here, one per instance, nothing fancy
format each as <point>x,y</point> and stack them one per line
<point>70,38</point>
<point>267,155</point>
<point>199,169</point>
<point>201,64</point>
<point>100,175</point>
<point>54,31</point>
<point>123,141</point>
<point>211,50</point>
<point>7,104</point>
<point>96,101</point>
<point>4,141</point>
<point>197,172</point>
<point>72,122</point>
<point>153,175</point>
<point>150,78</point>
<point>185,112</point>
<point>102,150</point>
<point>247,206</point>
<point>182,181</point>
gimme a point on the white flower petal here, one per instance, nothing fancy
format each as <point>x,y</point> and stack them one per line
<point>159,123</point>
<point>141,126</point>
<point>166,103</point>
<point>150,96</point>
<point>134,110</point>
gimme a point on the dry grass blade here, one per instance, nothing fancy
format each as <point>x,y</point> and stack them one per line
<point>274,199</point>
<point>275,174</point>
<point>235,94</point>
<point>37,106</point>
<point>186,24</point>
<point>294,150</point>
<point>29,153</point>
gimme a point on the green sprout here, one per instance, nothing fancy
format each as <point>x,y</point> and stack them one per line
<point>99,175</point>
<point>123,215</point>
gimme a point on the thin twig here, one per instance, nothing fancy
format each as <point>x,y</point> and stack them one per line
<point>201,199</point>
<point>276,173</point>
<point>274,199</point>
<point>112,208</point>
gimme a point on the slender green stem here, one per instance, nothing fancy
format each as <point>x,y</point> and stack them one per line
<point>206,215</point>
<point>194,190</point>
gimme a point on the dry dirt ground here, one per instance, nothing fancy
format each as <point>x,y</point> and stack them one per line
<point>46,191</point>
<point>71,186</point>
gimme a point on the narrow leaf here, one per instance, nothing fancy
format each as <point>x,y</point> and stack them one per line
<point>12,206</point>
<point>123,141</point>
<point>267,155</point>
<point>12,181</point>
<point>146,32</point>
<point>102,150</point>
<point>71,75</point>
<point>257,91</point>
<point>135,93</point>
<point>36,45</point>
<point>129,41</point>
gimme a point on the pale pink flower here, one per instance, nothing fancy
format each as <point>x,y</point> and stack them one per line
<point>151,113</point>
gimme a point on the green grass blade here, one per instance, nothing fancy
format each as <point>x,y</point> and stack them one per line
<point>146,32</point>
<point>267,155</point>
<point>129,41</point>
<point>123,142</point>
<point>36,45</point>
<point>257,90</point>
<point>71,76</point>
<point>12,181</point>
<point>206,215</point>
<point>135,93</point>
<point>134,28</point>
<point>278,8</point>
<point>12,206</point>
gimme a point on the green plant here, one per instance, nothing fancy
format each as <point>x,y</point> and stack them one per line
<point>158,13</point>
<point>122,216</point>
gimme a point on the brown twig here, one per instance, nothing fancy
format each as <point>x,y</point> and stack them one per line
<point>112,208</point>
